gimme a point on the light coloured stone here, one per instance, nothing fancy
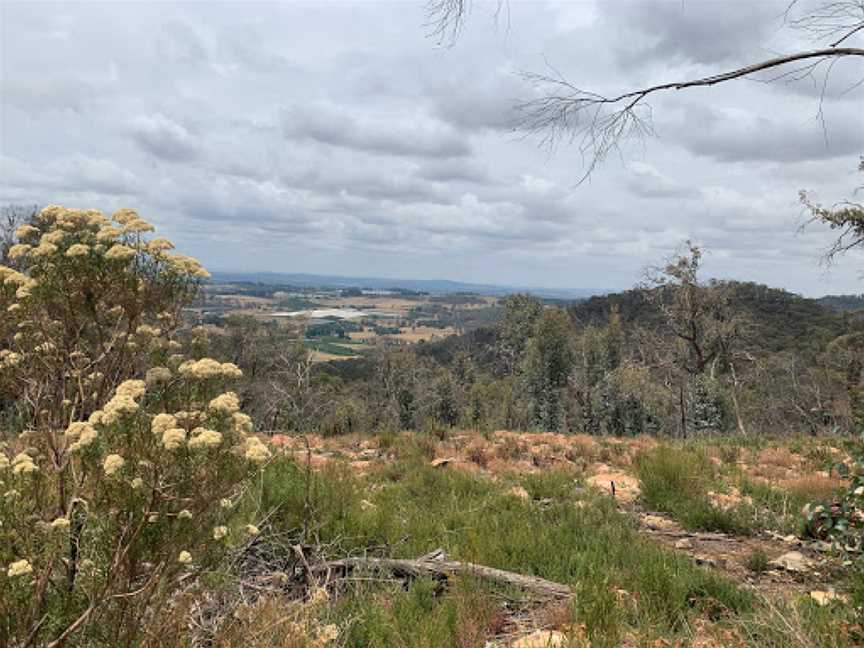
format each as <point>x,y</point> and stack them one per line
<point>793,561</point>
<point>541,639</point>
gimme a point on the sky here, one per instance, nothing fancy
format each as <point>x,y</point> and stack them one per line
<point>340,138</point>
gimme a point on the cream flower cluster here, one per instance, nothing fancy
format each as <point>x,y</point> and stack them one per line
<point>9,358</point>
<point>204,438</point>
<point>120,252</point>
<point>206,368</point>
<point>187,265</point>
<point>123,402</point>
<point>157,375</point>
<point>60,523</point>
<point>23,464</point>
<point>113,463</point>
<point>256,451</point>
<point>227,403</point>
<point>83,434</point>
<point>86,231</point>
<point>173,438</point>
<point>19,568</point>
<point>77,250</point>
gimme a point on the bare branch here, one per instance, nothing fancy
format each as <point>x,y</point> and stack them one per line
<point>446,18</point>
<point>601,123</point>
<point>836,20</point>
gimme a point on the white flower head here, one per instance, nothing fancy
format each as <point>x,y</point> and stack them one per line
<point>61,523</point>
<point>19,568</point>
<point>113,463</point>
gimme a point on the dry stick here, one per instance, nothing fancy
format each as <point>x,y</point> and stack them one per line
<point>442,569</point>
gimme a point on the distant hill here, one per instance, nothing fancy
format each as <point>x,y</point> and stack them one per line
<point>434,286</point>
<point>841,303</point>
<point>779,320</point>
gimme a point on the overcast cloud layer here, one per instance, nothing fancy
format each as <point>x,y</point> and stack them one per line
<point>333,137</point>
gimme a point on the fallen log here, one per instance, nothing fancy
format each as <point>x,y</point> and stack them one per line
<point>438,567</point>
<point>695,535</point>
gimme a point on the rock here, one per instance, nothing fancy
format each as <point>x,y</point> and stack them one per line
<point>684,543</point>
<point>520,492</point>
<point>541,639</point>
<point>658,522</point>
<point>705,561</point>
<point>825,598</point>
<point>793,561</point>
<point>820,546</point>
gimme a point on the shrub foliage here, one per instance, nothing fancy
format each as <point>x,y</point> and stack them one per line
<point>128,454</point>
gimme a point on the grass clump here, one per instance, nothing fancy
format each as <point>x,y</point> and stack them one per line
<point>756,561</point>
<point>677,481</point>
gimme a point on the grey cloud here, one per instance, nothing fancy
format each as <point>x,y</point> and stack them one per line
<point>646,181</point>
<point>78,174</point>
<point>416,135</point>
<point>476,101</point>
<point>739,136</point>
<point>164,138</point>
<point>40,95</point>
<point>698,32</point>
<point>179,43</point>
<point>454,170</point>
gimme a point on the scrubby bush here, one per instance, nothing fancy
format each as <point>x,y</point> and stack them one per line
<point>843,519</point>
<point>121,481</point>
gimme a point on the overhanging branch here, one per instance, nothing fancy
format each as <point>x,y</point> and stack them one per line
<point>601,123</point>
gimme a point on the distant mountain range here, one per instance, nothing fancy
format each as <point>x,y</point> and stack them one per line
<point>434,286</point>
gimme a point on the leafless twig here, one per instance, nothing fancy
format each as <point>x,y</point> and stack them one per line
<point>600,123</point>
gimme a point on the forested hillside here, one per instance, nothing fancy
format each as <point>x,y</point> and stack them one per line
<point>679,357</point>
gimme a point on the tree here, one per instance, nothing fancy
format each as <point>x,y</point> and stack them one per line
<point>548,362</point>
<point>11,218</point>
<point>697,315</point>
<point>847,217</point>
<point>705,330</point>
<point>516,326</point>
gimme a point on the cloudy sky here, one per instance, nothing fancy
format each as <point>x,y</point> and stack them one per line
<point>335,137</point>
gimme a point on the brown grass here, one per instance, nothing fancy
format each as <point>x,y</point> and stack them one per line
<point>477,452</point>
<point>781,457</point>
<point>815,487</point>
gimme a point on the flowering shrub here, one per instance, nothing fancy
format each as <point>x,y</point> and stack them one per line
<point>122,479</point>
